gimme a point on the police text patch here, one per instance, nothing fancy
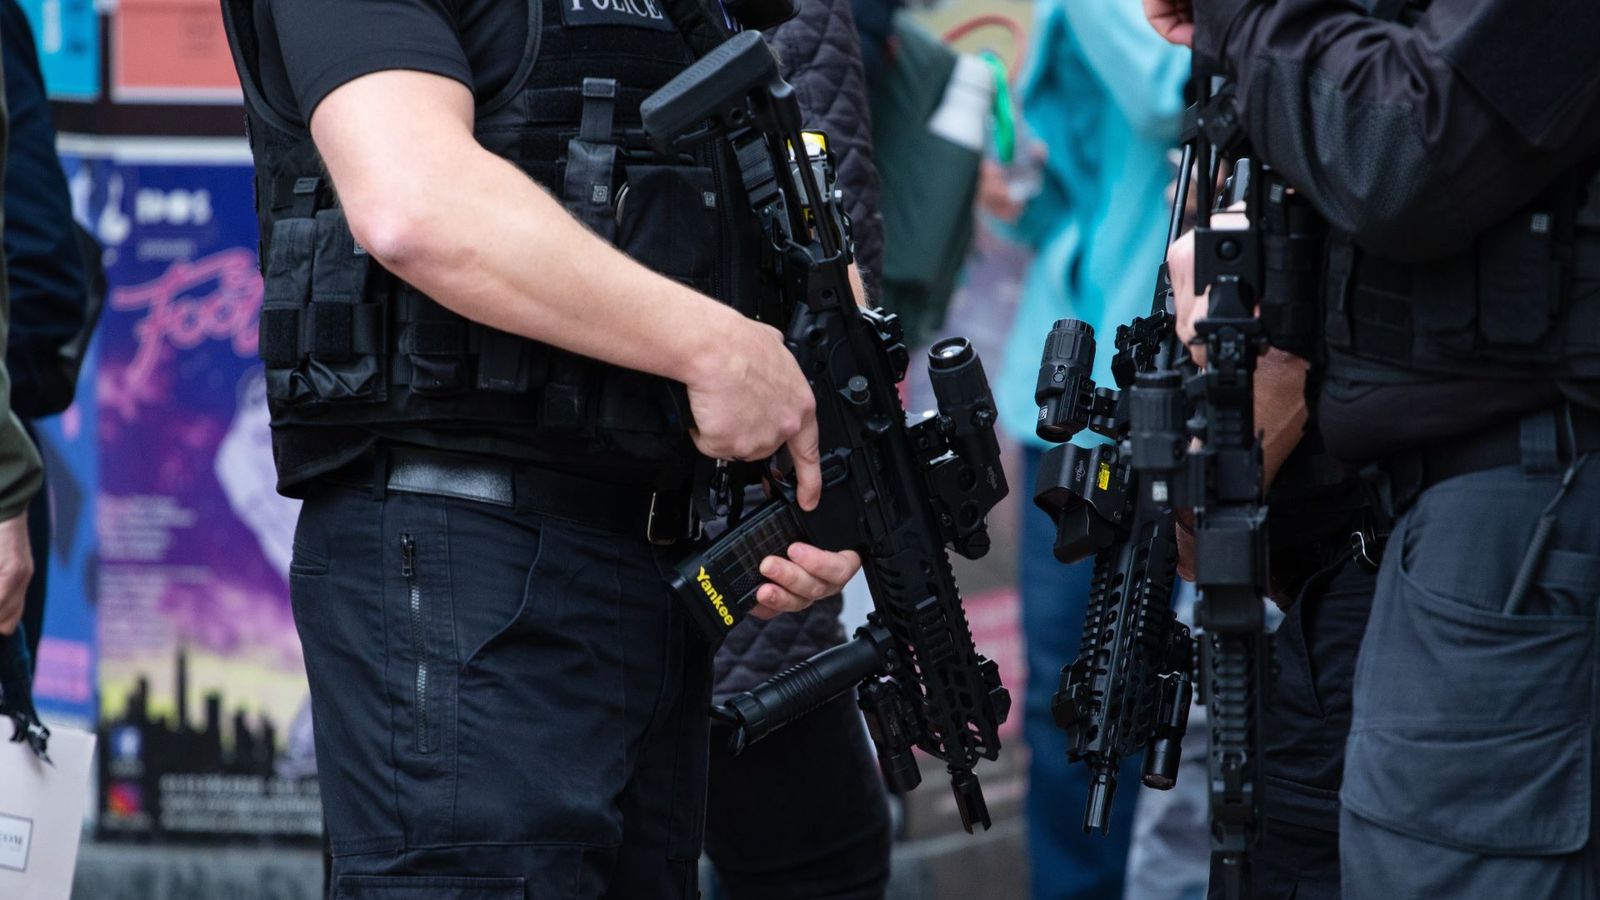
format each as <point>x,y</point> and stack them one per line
<point>638,13</point>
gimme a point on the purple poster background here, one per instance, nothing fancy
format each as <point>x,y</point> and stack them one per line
<point>202,691</point>
<point>64,684</point>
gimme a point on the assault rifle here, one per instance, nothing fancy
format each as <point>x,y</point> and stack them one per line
<point>1130,688</point>
<point>1222,480</point>
<point>896,491</point>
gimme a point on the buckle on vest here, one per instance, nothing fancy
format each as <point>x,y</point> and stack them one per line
<point>305,196</point>
<point>672,519</point>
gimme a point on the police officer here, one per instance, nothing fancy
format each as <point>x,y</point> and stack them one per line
<point>1452,148</point>
<point>497,329</point>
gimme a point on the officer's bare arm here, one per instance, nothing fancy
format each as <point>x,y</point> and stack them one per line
<point>470,230</point>
<point>473,232</point>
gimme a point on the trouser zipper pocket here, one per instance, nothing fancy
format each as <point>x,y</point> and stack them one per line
<point>417,610</point>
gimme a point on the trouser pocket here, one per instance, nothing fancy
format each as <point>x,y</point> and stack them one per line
<point>1473,728</point>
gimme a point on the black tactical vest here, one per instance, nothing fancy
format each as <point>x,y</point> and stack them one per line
<point>347,344</point>
<point>1522,303</point>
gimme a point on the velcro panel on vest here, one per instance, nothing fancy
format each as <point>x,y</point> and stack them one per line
<point>670,222</point>
<point>280,337</point>
<point>338,285</point>
<point>287,288</point>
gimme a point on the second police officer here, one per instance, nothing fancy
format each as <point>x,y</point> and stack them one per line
<point>1453,149</point>
<point>499,332</point>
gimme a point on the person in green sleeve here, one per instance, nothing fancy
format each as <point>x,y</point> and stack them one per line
<point>20,472</point>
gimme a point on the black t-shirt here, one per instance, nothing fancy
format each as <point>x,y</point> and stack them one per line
<point>311,47</point>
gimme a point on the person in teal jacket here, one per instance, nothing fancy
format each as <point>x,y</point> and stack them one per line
<point>1104,95</point>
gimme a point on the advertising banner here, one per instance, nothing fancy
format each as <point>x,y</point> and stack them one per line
<point>205,722</point>
<point>171,51</point>
<point>67,33</point>
<point>64,681</point>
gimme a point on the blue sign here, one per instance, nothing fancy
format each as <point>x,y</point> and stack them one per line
<point>68,35</point>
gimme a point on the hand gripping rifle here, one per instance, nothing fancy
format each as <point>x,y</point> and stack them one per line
<point>898,492</point>
<point>1129,689</point>
<point>1221,479</point>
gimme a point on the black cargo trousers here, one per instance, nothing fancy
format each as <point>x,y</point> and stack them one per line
<point>508,704</point>
<point>1470,770</point>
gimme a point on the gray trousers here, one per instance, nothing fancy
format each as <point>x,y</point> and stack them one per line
<point>1471,761</point>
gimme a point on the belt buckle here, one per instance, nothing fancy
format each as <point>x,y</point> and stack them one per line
<point>672,518</point>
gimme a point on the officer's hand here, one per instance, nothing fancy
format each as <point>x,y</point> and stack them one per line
<point>749,399</point>
<point>1280,379</point>
<point>1187,307</point>
<point>1172,19</point>
<point>16,570</point>
<point>808,575</point>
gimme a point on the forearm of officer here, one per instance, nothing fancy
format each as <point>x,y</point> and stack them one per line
<point>472,231</point>
<point>1407,137</point>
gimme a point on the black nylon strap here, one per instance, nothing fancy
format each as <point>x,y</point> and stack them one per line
<point>588,187</point>
<point>599,110</point>
<point>1418,469</point>
<point>1341,265</point>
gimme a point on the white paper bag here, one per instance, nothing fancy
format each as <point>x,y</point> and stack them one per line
<point>41,813</point>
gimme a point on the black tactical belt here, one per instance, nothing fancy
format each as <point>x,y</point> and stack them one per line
<point>1414,471</point>
<point>661,516</point>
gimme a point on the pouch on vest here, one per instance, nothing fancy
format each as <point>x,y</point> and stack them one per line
<point>668,221</point>
<point>432,344</point>
<point>1499,302</point>
<point>321,340</point>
